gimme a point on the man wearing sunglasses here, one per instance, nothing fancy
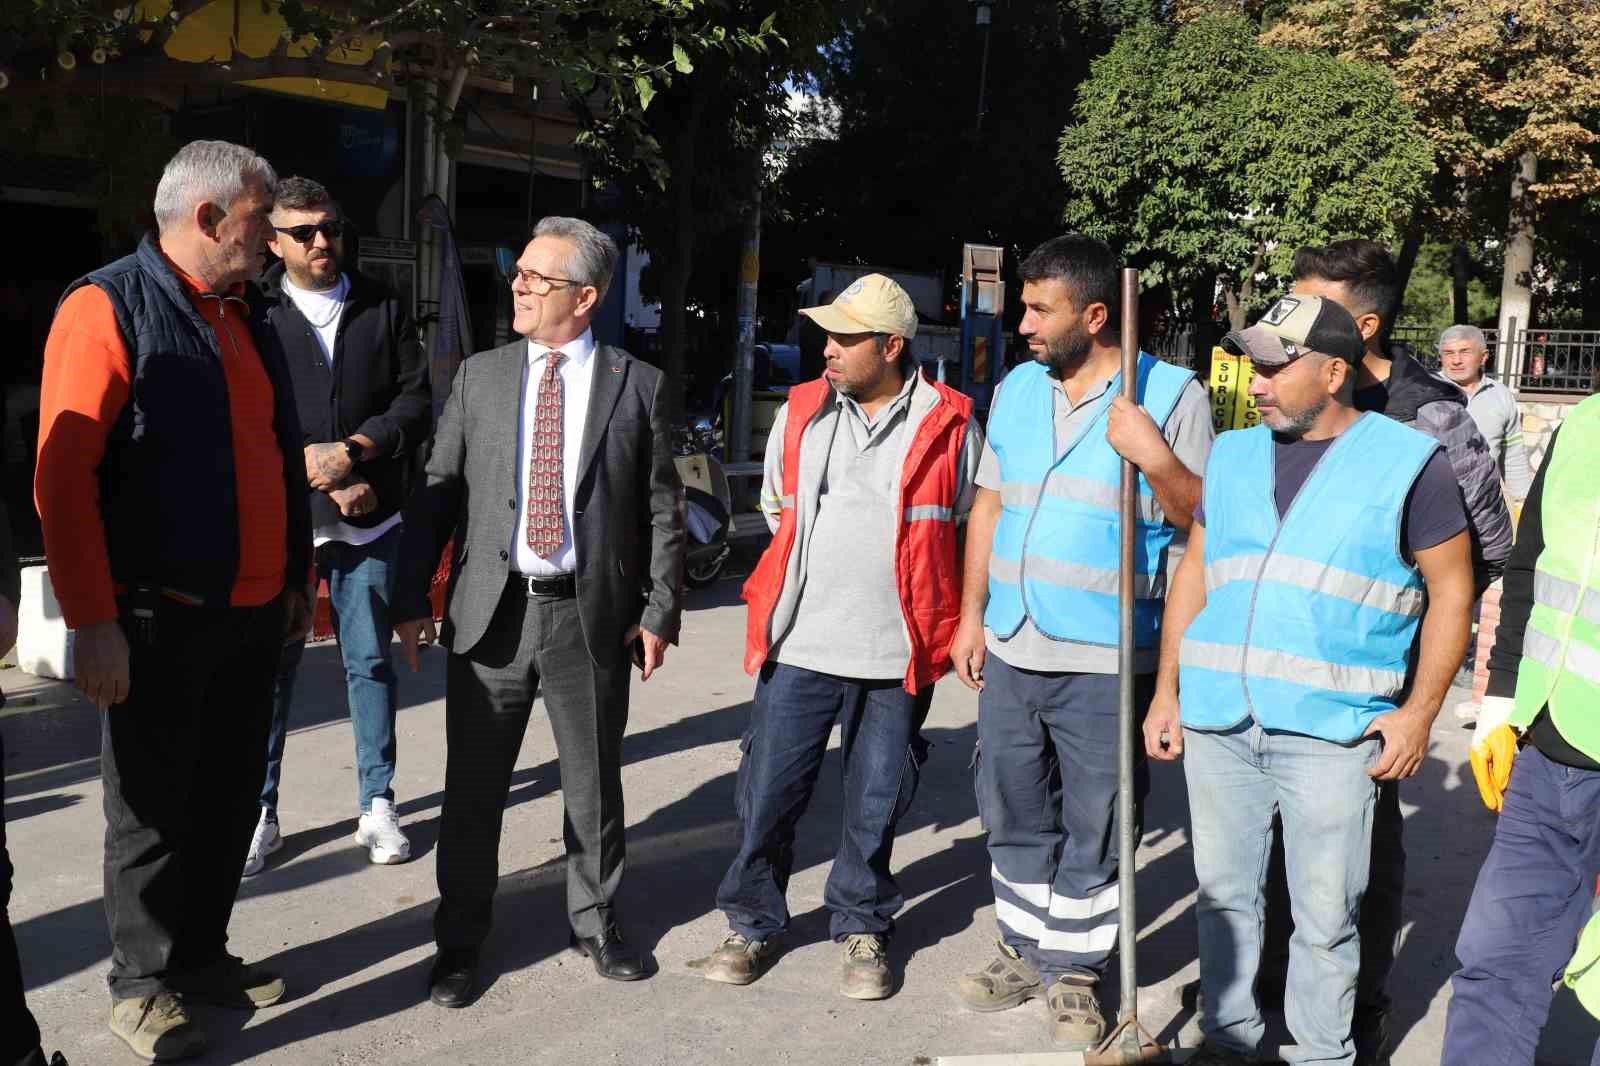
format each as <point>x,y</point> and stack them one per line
<point>361,385</point>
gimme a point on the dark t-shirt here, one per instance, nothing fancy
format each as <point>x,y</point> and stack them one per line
<point>1434,511</point>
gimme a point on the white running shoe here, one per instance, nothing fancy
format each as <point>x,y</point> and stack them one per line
<point>380,833</point>
<point>266,841</point>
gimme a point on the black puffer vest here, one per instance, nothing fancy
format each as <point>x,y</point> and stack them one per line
<point>168,491</point>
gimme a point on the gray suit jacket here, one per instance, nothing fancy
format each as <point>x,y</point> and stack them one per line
<point>628,524</point>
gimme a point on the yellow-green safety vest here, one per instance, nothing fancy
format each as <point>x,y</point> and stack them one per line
<point>1561,648</point>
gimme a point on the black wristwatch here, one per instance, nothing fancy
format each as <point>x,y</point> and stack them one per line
<point>353,450</point>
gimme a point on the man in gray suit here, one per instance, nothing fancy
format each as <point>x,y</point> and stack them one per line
<point>552,467</point>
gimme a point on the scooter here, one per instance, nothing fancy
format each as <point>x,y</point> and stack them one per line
<point>709,502</point>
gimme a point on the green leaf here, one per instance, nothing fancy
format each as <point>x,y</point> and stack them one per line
<point>680,60</point>
<point>646,89</point>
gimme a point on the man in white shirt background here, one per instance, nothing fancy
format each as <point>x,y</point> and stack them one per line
<point>1463,352</point>
<point>361,386</point>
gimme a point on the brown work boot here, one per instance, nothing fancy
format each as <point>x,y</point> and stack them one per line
<point>1001,985</point>
<point>864,973</point>
<point>157,1027</point>
<point>738,960</point>
<point>1076,1023</point>
<point>228,982</point>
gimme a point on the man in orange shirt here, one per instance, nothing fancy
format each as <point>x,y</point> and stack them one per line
<point>172,493</point>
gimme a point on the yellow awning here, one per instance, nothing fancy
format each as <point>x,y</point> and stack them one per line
<point>205,36</point>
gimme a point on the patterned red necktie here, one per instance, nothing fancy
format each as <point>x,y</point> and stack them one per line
<point>544,464</point>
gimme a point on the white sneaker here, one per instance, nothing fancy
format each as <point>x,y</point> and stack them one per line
<point>379,832</point>
<point>266,841</point>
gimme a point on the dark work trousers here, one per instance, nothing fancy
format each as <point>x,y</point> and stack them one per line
<point>182,760</point>
<point>19,1034</point>
<point>881,752</point>
<point>1047,794</point>
<point>534,644</point>
<point>1379,923</point>
<point>1533,896</point>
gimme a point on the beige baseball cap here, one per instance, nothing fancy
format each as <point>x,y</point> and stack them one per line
<point>872,303</point>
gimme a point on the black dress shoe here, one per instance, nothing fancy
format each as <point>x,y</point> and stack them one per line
<point>454,980</point>
<point>612,957</point>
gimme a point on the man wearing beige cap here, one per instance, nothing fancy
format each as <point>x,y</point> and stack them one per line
<point>869,475</point>
<point>1330,546</point>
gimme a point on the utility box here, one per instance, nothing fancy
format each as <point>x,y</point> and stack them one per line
<point>983,303</point>
<point>44,643</point>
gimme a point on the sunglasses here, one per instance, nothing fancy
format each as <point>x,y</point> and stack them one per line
<point>332,229</point>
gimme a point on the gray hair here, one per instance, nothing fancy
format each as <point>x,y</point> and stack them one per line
<point>1471,334</point>
<point>594,255</point>
<point>207,171</point>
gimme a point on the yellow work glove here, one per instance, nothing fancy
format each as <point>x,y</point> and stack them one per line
<point>1494,746</point>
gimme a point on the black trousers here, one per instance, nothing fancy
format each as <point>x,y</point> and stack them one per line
<point>182,760</point>
<point>1378,923</point>
<point>533,644</point>
<point>19,1033</point>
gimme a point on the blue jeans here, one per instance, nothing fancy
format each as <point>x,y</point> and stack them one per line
<point>1237,781</point>
<point>882,752</point>
<point>1046,778</point>
<point>360,584</point>
<point>1532,898</point>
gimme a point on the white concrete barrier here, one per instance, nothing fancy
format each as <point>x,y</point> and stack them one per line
<point>44,643</point>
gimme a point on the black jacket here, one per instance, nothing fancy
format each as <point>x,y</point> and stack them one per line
<point>627,518</point>
<point>157,530</point>
<point>377,387</point>
<point>1426,402</point>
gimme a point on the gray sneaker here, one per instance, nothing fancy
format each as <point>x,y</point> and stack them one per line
<point>864,972</point>
<point>738,960</point>
<point>157,1028</point>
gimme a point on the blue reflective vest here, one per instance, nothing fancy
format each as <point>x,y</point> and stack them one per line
<point>1309,620</point>
<point>1056,549</point>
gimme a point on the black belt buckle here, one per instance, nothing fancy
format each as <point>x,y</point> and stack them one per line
<point>563,586</point>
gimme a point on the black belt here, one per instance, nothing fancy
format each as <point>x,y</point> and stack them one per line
<point>560,587</point>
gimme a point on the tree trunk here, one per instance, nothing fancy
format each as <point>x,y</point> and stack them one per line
<point>678,266</point>
<point>1516,294</point>
<point>1404,263</point>
<point>1460,279</point>
<point>1202,327</point>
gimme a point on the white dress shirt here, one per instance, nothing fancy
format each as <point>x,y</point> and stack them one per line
<point>576,372</point>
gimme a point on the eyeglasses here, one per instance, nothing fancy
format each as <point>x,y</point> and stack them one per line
<point>332,229</point>
<point>537,283</point>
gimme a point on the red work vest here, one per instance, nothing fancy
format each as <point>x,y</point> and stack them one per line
<point>926,566</point>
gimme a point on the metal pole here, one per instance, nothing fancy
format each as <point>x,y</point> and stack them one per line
<point>983,75</point>
<point>744,359</point>
<point>1128,931</point>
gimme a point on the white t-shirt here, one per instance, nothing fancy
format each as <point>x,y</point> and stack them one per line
<point>321,309</point>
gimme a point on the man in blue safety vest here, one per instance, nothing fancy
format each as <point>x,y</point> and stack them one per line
<point>1039,622</point>
<point>1326,542</point>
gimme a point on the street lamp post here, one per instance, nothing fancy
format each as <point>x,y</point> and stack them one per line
<point>984,9</point>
